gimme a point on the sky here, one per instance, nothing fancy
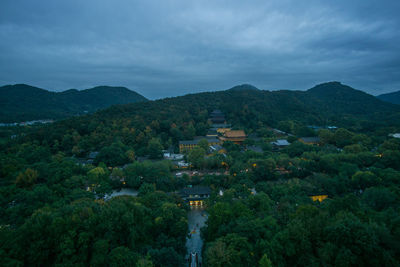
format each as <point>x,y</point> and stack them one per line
<point>170,47</point>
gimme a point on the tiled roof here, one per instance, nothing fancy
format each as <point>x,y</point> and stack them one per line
<point>235,133</point>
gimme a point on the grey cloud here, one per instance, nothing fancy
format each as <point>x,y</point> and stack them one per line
<point>168,48</point>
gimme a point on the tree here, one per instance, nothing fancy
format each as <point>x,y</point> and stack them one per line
<point>379,198</point>
<point>113,155</point>
<point>196,157</point>
<point>147,188</point>
<point>122,256</point>
<point>326,136</point>
<point>342,137</point>
<point>27,179</point>
<point>130,154</point>
<point>265,261</point>
<point>145,262</point>
<point>154,148</point>
<point>364,179</point>
<point>203,143</point>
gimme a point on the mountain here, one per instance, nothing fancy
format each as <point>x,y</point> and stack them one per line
<point>23,102</point>
<point>243,87</point>
<point>326,104</point>
<point>393,97</point>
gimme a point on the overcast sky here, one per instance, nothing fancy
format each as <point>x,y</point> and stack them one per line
<point>168,48</point>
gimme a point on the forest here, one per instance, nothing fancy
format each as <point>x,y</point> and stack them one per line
<point>53,210</point>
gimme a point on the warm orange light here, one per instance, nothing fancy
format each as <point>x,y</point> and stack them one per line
<point>319,198</point>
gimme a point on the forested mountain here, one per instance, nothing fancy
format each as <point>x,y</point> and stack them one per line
<point>393,97</point>
<point>329,103</point>
<point>22,102</point>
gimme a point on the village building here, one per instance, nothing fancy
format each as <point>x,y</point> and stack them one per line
<point>280,143</point>
<point>395,135</point>
<point>187,145</point>
<point>172,156</point>
<point>257,149</point>
<point>195,195</point>
<point>310,140</point>
<point>217,149</point>
<point>235,136</point>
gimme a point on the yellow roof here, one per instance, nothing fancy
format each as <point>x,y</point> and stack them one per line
<point>235,133</point>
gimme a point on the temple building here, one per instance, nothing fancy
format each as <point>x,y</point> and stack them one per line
<point>195,195</point>
<point>187,145</point>
<point>235,136</point>
<point>217,116</point>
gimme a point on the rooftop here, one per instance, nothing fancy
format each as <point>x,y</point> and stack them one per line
<point>235,133</point>
<point>196,190</point>
<point>221,125</point>
<point>197,139</point>
<point>257,149</point>
<point>312,139</point>
<point>281,142</point>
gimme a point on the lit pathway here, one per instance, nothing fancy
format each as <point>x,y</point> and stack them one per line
<point>196,220</point>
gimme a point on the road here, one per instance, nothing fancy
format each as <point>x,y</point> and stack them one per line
<point>196,219</point>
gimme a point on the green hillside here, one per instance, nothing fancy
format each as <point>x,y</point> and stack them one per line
<point>22,102</point>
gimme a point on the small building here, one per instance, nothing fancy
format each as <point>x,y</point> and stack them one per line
<point>279,132</point>
<point>93,155</point>
<point>195,195</point>
<point>217,149</point>
<point>186,146</point>
<point>280,143</point>
<point>172,156</point>
<point>310,140</point>
<point>182,164</point>
<point>257,149</point>
<point>395,135</point>
<point>235,136</point>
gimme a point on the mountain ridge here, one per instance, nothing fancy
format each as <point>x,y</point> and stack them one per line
<point>22,102</point>
<point>310,107</point>
<point>393,97</point>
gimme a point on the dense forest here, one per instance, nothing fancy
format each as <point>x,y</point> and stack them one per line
<point>21,102</point>
<point>54,210</point>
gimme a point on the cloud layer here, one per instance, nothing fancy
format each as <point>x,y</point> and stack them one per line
<point>168,48</point>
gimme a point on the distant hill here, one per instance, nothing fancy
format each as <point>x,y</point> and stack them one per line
<point>244,87</point>
<point>393,97</point>
<point>23,102</point>
<point>326,104</point>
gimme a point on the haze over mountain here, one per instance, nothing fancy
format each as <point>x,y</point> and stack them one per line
<point>21,102</point>
<point>393,97</point>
